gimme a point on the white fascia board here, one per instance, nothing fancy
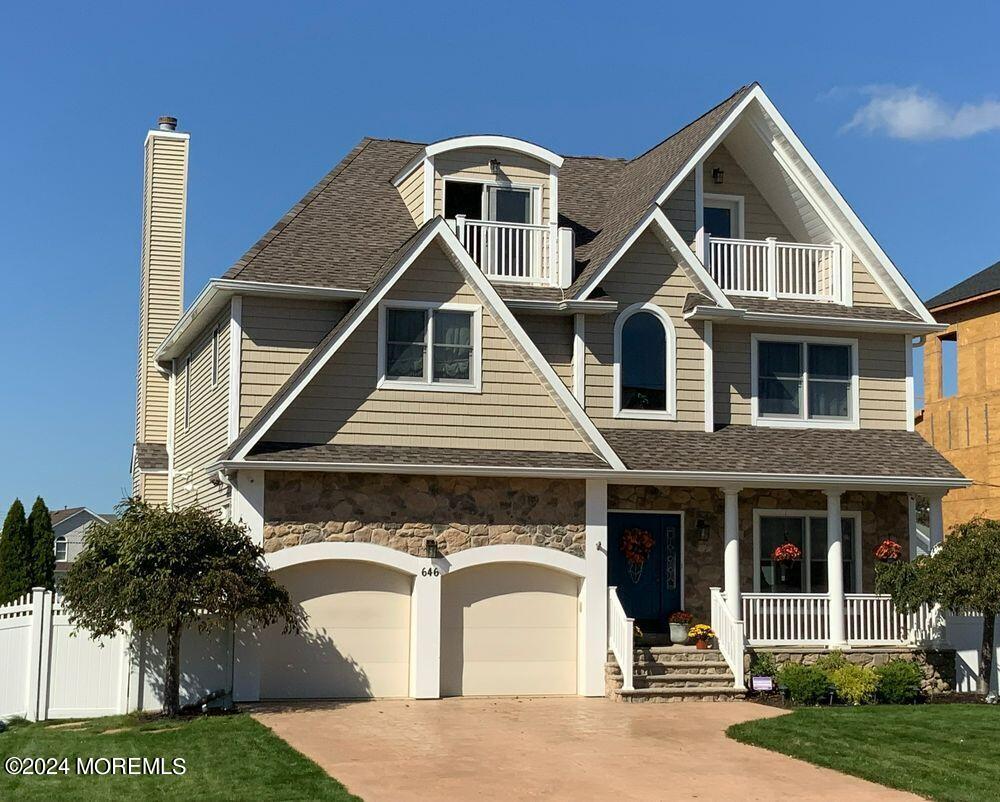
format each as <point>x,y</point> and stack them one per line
<point>156,133</point>
<point>218,292</point>
<point>666,478</point>
<point>685,257</point>
<point>479,141</point>
<point>783,320</point>
<point>564,307</point>
<point>841,204</point>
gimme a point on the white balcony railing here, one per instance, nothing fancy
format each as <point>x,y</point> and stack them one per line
<point>515,252</point>
<point>772,269</point>
<point>804,618</point>
<point>620,637</point>
<point>729,633</point>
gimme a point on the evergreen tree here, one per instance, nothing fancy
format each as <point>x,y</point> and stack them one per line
<point>15,555</point>
<point>43,546</point>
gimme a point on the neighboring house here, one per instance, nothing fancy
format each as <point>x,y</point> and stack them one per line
<point>961,414</point>
<point>70,528</point>
<point>457,383</point>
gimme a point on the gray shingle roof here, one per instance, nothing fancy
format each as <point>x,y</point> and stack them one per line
<point>805,308</point>
<point>984,281</point>
<point>151,456</point>
<point>61,515</point>
<point>405,455</point>
<point>748,449</point>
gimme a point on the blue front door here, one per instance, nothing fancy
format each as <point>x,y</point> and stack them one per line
<point>651,590</point>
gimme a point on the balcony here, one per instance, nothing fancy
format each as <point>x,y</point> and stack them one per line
<point>518,253</point>
<point>772,269</point>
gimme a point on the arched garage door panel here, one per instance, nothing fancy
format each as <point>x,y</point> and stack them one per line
<point>356,641</point>
<point>508,629</point>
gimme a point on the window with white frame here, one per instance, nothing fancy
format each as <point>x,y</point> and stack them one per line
<point>645,353</point>
<point>804,381</point>
<point>429,346</point>
<point>807,531</point>
<point>60,548</point>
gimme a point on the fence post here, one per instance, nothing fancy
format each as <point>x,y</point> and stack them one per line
<point>35,670</point>
<point>772,268</point>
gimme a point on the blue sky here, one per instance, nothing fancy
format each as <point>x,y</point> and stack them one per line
<point>898,106</point>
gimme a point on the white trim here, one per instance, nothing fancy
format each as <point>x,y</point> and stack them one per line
<point>681,536</point>
<point>910,400</point>
<point>427,384</point>
<point>485,141</point>
<point>430,179</point>
<point>235,367</point>
<point>509,553</point>
<point>803,421</point>
<point>214,347</point>
<point>740,316</point>
<point>670,338</point>
<point>357,552</point>
<point>760,512</point>
<point>736,206</point>
<point>699,210</point>
<point>553,194</point>
<point>434,231</point>
<point>911,524</point>
<point>161,134</point>
<point>579,358</point>
<point>676,245</point>
<point>593,628</point>
<point>533,188</point>
<point>567,306</point>
<point>187,391</point>
<point>171,429</point>
<point>709,378</point>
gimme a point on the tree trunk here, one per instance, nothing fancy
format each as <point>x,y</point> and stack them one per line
<point>986,653</point>
<point>172,672</point>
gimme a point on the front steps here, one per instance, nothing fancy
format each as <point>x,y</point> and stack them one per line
<point>672,674</point>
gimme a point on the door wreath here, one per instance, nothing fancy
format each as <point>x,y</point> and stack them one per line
<point>636,545</point>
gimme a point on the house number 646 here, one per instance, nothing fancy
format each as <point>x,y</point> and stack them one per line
<point>429,572</point>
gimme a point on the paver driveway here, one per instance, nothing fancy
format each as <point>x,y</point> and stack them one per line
<point>552,748</point>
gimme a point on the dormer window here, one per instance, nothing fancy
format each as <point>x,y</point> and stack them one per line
<point>427,346</point>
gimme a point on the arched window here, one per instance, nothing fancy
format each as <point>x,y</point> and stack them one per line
<point>60,548</point>
<point>644,363</point>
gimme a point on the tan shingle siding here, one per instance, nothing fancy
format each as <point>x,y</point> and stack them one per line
<point>412,192</point>
<point>760,220</point>
<point>867,291</point>
<point>553,336</point>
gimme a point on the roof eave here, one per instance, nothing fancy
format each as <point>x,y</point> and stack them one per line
<point>785,320</point>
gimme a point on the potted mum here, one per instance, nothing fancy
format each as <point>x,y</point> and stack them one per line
<point>679,622</point>
<point>702,634</point>
<point>888,551</point>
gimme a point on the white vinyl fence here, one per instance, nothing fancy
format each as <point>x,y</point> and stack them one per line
<point>50,670</point>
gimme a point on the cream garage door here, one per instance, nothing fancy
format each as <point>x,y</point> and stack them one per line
<point>356,642</point>
<point>508,629</point>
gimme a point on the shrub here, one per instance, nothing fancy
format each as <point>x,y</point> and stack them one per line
<point>806,685</point>
<point>855,684</point>
<point>830,662</point>
<point>898,682</point>
<point>763,665</point>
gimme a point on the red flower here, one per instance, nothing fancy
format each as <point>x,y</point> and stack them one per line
<point>888,551</point>
<point>787,553</point>
<point>636,545</point>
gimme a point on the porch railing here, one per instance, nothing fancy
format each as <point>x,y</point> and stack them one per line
<point>772,269</point>
<point>729,633</point>
<point>620,637</point>
<point>515,252</point>
<point>804,619</point>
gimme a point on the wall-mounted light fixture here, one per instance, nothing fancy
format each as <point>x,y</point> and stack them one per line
<point>718,175</point>
<point>701,529</point>
<point>494,166</point>
<point>431,548</point>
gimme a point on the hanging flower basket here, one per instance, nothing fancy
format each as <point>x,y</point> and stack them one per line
<point>888,551</point>
<point>787,553</point>
<point>636,545</point>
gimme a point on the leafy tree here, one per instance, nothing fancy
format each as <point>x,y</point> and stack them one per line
<point>963,574</point>
<point>15,555</point>
<point>157,569</point>
<point>43,546</point>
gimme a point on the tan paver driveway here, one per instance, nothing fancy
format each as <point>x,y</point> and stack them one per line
<point>552,748</point>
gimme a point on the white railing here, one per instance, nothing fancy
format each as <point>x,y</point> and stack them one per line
<point>620,637</point>
<point>772,269</point>
<point>870,619</point>
<point>729,633</point>
<point>509,251</point>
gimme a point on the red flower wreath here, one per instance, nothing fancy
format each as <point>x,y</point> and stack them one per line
<point>636,545</point>
<point>787,553</point>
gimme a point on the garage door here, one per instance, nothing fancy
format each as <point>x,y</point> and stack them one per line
<point>508,629</point>
<point>357,639</point>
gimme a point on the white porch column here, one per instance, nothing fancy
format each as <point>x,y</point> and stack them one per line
<point>594,616</point>
<point>732,551</point>
<point>937,520</point>
<point>425,633</point>
<point>835,569</point>
<point>247,503</point>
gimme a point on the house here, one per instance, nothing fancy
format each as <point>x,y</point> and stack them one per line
<point>70,527</point>
<point>486,406</point>
<point>962,390</point>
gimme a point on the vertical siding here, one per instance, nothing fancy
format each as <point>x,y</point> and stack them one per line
<point>760,220</point>
<point>412,192</point>
<point>473,164</point>
<point>206,435</point>
<point>514,410</point>
<point>553,336</point>
<point>647,273</point>
<point>881,381</point>
<point>278,333</point>
<point>867,291</point>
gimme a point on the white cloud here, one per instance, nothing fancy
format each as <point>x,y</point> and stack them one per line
<point>909,113</point>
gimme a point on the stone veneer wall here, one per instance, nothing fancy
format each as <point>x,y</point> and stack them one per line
<point>401,511</point>
<point>882,515</point>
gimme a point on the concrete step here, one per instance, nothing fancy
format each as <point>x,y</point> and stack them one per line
<point>661,695</point>
<point>662,669</point>
<point>678,680</point>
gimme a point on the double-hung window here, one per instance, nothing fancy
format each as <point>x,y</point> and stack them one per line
<point>811,382</point>
<point>430,347</point>
<point>808,533</point>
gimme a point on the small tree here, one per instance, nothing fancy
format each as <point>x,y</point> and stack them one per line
<point>963,574</point>
<point>15,555</point>
<point>157,569</point>
<point>43,546</point>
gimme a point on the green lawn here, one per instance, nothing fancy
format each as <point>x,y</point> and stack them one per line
<point>226,757</point>
<point>944,751</point>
